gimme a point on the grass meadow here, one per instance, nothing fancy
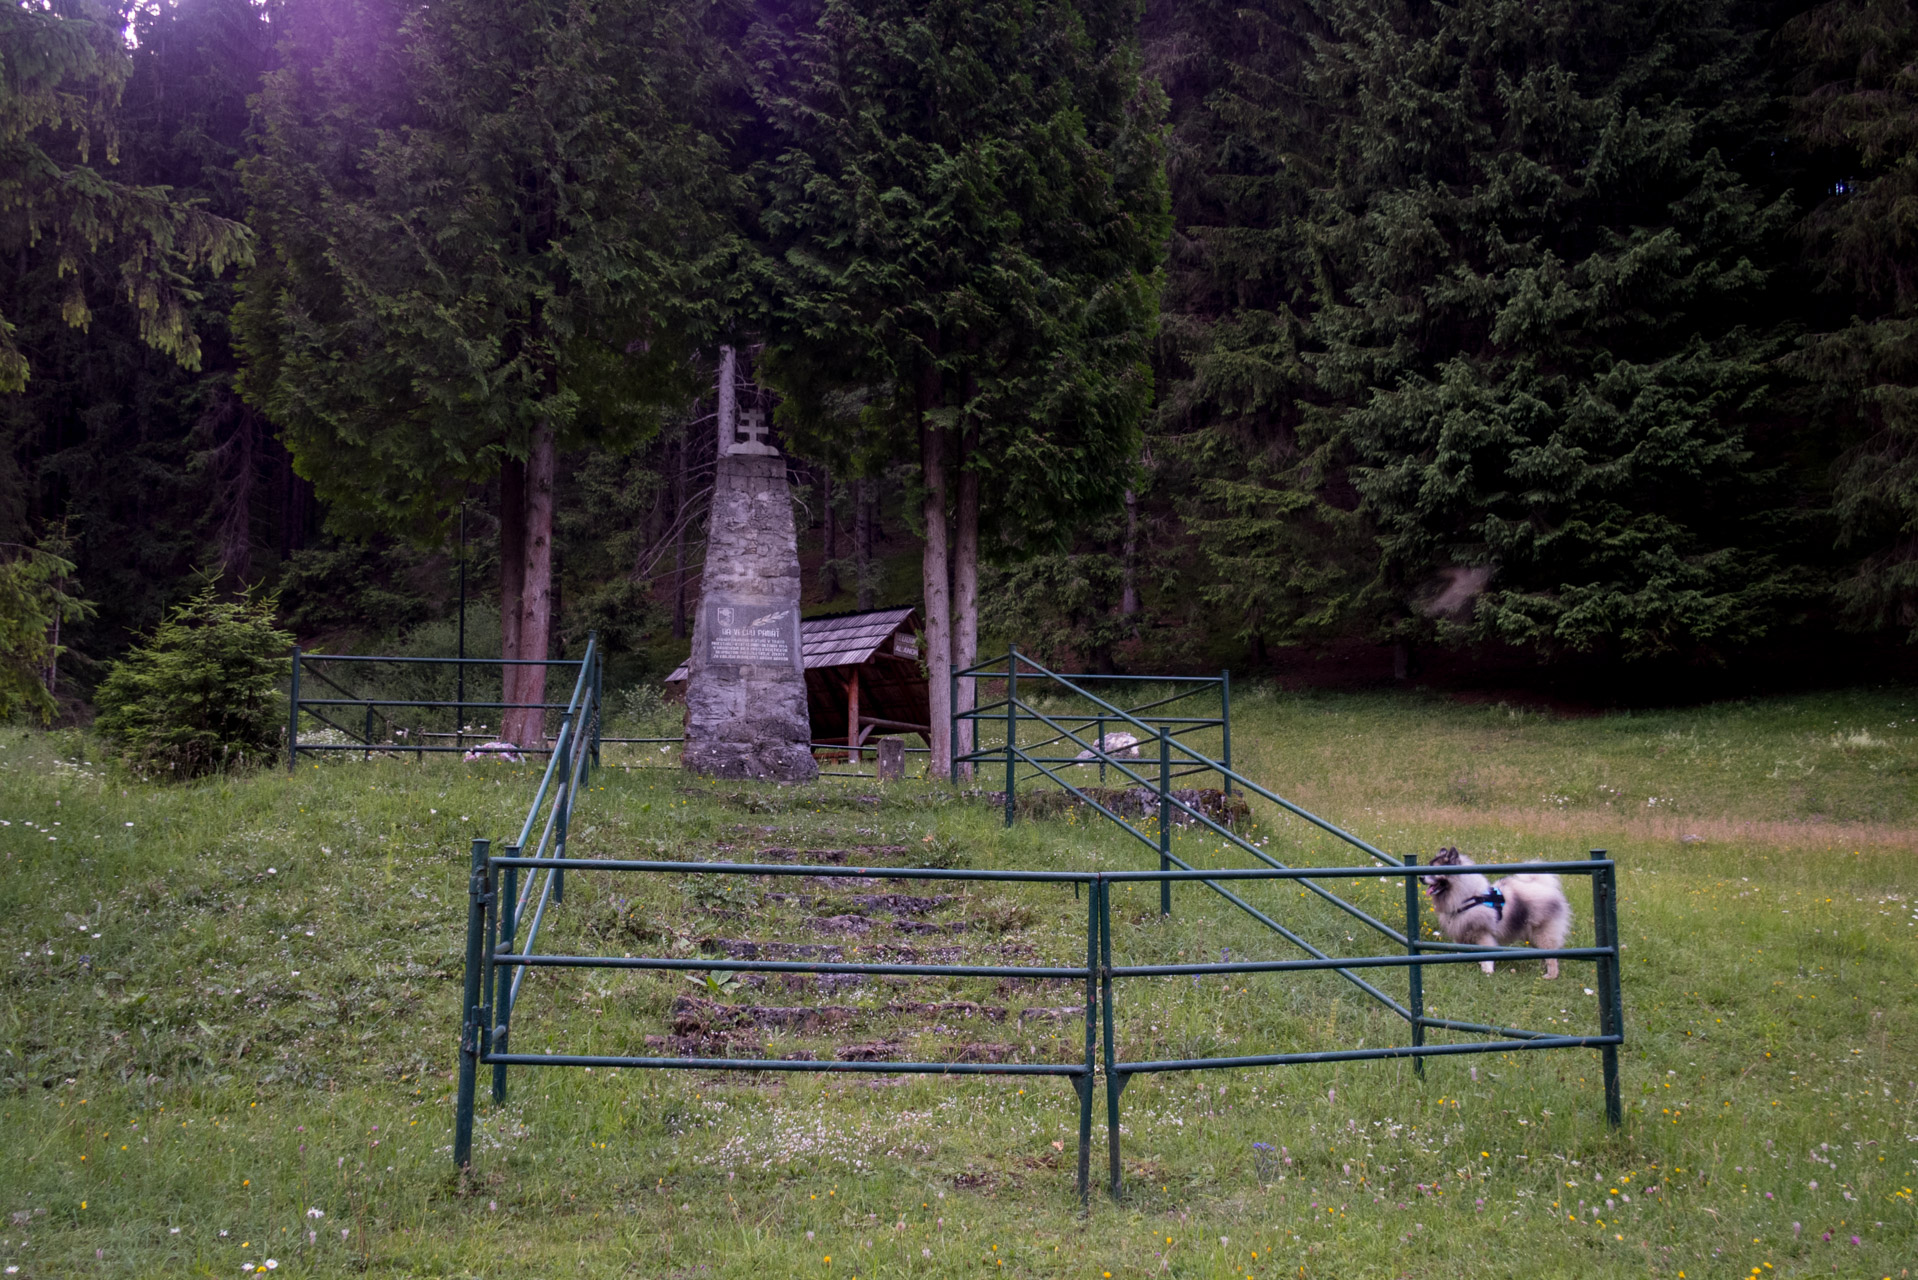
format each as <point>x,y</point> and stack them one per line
<point>229,1011</point>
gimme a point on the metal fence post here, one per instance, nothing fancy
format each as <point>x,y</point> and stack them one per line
<point>1012,731</point>
<point>1416,972</point>
<point>368,735</point>
<point>1085,1082</point>
<point>599,674</point>
<point>1099,745</point>
<point>952,708</point>
<point>1115,1083</point>
<point>470,1007</point>
<point>1165,819</point>
<point>562,822</point>
<point>1610,1020</point>
<point>502,976</point>
<point>293,715</point>
<point>1225,727</point>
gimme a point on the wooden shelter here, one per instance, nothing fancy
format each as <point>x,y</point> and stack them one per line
<point>862,675</point>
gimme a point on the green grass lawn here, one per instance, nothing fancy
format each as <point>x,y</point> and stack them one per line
<point>228,1016</point>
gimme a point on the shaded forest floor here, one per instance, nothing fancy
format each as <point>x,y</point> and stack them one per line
<point>228,1015</point>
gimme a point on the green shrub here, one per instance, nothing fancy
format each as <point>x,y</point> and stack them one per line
<point>203,694</point>
<point>34,601</point>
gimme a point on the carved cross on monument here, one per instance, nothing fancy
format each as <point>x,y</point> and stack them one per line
<point>746,681</point>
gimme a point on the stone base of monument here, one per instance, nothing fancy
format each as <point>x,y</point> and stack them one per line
<point>746,713</point>
<point>778,762</point>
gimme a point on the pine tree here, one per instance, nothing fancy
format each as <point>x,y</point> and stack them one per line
<point>153,466</point>
<point>965,222</point>
<point>63,67</point>
<point>489,226</point>
<point>1856,110</point>
<point>1244,460</point>
<point>1540,320</point>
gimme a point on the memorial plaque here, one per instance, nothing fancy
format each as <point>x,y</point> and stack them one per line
<point>749,633</point>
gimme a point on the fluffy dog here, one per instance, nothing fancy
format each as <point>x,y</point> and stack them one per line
<point>1521,908</point>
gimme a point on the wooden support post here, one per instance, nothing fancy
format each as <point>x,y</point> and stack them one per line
<point>852,715</point>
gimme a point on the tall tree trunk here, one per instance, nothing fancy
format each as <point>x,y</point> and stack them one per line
<point>512,582</point>
<point>936,570</point>
<point>283,484</point>
<point>864,498</point>
<point>536,594</point>
<point>684,450</point>
<point>50,674</point>
<point>1129,591</point>
<point>236,524</point>
<point>829,578</point>
<point>965,595</point>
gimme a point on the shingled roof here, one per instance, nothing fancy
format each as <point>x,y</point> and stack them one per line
<point>847,639</point>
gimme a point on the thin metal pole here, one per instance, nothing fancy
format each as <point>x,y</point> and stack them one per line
<point>1416,1000</point>
<point>952,706</point>
<point>368,735</point>
<point>503,986</point>
<point>564,799</point>
<point>1103,890</point>
<point>1092,1014</point>
<point>470,1007</point>
<point>1610,1023</point>
<point>1099,744</point>
<point>293,716</point>
<point>459,729</point>
<point>599,678</point>
<point>1012,729</point>
<point>1225,727</point>
<point>1165,819</point>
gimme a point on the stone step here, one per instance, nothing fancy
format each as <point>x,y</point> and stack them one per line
<point>855,925</point>
<point>897,904</point>
<point>696,1016</point>
<point>856,856</point>
<point>737,1046</point>
<point>874,953</point>
<point>881,1050</point>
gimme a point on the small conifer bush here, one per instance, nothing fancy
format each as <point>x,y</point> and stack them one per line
<point>203,694</point>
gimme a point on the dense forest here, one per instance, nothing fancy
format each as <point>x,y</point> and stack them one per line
<point>1196,333</point>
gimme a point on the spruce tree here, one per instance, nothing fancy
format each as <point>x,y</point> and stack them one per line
<point>965,222</point>
<point>488,228</point>
<point>1280,551</point>
<point>1539,317</point>
<point>153,466</point>
<point>1856,111</point>
<point>63,67</point>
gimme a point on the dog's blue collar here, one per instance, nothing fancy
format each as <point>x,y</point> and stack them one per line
<point>1490,898</point>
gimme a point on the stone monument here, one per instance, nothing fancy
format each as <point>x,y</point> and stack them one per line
<point>746,681</point>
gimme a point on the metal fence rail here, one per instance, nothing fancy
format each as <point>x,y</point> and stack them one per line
<point>1177,757</point>
<point>499,958</point>
<point>491,956</point>
<point>1066,727</point>
<point>387,739</point>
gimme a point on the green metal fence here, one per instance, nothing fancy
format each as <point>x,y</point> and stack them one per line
<point>1017,674</point>
<point>387,725</point>
<point>498,959</point>
<point>1064,726</point>
<point>492,954</point>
